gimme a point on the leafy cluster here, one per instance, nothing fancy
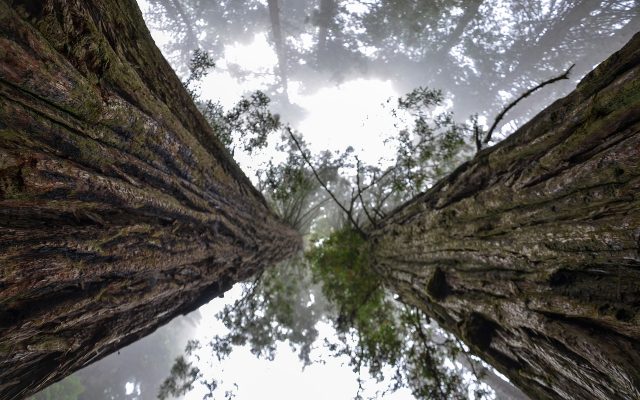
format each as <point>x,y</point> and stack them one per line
<point>431,144</point>
<point>182,377</point>
<point>277,306</point>
<point>247,124</point>
<point>199,66</point>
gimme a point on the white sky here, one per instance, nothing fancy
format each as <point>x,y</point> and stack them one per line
<point>350,114</point>
<point>338,116</point>
<point>282,378</point>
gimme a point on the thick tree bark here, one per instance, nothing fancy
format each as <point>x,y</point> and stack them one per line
<point>531,251</point>
<point>119,209</point>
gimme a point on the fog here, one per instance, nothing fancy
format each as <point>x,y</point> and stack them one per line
<point>330,65</point>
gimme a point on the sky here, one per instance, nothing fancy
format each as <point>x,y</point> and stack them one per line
<point>338,115</point>
<point>284,377</point>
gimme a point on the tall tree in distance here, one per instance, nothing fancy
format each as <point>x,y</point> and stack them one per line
<point>276,33</point>
<point>119,207</point>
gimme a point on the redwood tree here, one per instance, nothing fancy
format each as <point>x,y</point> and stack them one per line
<point>119,209</point>
<point>531,251</point>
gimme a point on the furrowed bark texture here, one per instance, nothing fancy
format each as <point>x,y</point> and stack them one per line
<point>531,251</point>
<point>118,208</point>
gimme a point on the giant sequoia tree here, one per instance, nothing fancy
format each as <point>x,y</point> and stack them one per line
<point>530,252</point>
<point>119,209</point>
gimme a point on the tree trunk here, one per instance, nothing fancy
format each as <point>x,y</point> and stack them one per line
<point>530,252</point>
<point>279,44</point>
<point>119,209</point>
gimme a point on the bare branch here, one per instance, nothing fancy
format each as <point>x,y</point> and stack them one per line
<point>324,186</point>
<point>564,75</point>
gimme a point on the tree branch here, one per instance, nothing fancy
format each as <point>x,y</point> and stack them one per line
<point>374,181</point>
<point>430,362</point>
<point>324,186</point>
<point>487,138</point>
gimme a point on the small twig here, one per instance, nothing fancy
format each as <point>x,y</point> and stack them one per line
<point>352,200</point>
<point>375,180</point>
<point>324,186</point>
<point>487,138</point>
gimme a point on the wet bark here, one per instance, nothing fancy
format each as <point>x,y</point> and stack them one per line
<point>530,252</point>
<point>119,209</point>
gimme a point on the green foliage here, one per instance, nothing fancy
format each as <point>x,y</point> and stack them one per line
<point>277,307</point>
<point>199,66</point>
<point>69,388</point>
<point>379,333</point>
<point>292,190</point>
<point>431,144</point>
<point>182,377</point>
<point>341,264</point>
<point>248,124</point>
